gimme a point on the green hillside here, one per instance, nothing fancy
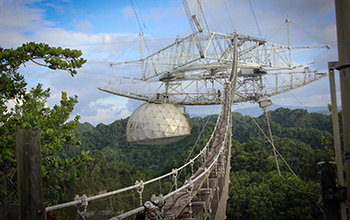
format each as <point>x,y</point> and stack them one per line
<point>256,190</point>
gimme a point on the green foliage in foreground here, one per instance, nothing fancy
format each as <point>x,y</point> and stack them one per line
<point>30,111</point>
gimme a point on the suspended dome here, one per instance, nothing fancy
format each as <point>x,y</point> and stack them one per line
<point>157,124</point>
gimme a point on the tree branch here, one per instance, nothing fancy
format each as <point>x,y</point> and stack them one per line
<point>37,63</point>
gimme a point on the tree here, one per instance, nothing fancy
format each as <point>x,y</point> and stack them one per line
<point>265,195</point>
<point>258,192</point>
<point>30,111</point>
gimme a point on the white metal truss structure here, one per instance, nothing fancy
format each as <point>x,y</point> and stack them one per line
<point>193,70</point>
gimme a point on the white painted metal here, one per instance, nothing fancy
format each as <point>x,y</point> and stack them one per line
<point>183,74</point>
<point>157,124</point>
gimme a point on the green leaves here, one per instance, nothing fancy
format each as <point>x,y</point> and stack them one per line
<point>30,111</point>
<point>258,192</point>
<point>265,195</point>
<point>53,58</point>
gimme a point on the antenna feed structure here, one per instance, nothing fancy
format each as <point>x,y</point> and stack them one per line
<point>264,101</point>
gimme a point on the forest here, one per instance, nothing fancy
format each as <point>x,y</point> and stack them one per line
<point>78,158</point>
<point>256,189</point>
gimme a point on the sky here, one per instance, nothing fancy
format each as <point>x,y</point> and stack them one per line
<point>108,31</point>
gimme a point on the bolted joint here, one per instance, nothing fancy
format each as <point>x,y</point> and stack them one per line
<point>83,200</point>
<point>158,200</point>
<point>140,186</point>
<point>336,65</point>
<point>149,205</point>
<point>83,203</point>
<point>153,208</point>
<point>333,65</point>
<point>174,171</point>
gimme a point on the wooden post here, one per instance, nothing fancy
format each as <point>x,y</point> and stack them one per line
<point>336,134</point>
<point>342,8</point>
<point>30,202</point>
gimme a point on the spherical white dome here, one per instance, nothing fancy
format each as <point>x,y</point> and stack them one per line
<point>157,124</point>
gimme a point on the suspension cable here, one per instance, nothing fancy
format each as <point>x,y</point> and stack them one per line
<point>138,22</point>
<point>272,142</point>
<point>137,18</point>
<point>229,15</point>
<point>268,139</point>
<point>187,162</point>
<point>256,21</point>
<point>277,31</point>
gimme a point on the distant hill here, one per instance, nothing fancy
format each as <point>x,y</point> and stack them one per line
<point>303,125</point>
<point>302,136</point>
<point>257,111</point>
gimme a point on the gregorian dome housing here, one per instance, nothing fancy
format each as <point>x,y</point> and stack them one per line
<point>157,124</point>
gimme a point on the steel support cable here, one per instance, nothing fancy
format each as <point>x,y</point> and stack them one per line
<point>206,171</point>
<point>142,208</point>
<point>201,11</point>
<point>300,103</point>
<point>262,131</point>
<point>200,134</point>
<point>311,35</point>
<point>203,173</point>
<point>77,202</point>
<point>187,161</point>
<point>225,109</point>
<point>272,142</point>
<point>229,15</point>
<point>256,21</point>
<point>138,21</point>
<point>209,168</point>
<point>276,31</point>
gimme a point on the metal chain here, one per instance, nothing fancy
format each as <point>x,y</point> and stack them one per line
<point>84,204</point>
<point>175,172</point>
<point>190,189</point>
<point>139,189</point>
<point>192,163</point>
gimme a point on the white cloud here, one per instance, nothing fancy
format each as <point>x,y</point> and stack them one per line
<point>20,23</point>
<point>84,26</point>
<point>106,110</point>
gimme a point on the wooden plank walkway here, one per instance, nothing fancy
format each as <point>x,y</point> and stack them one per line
<point>198,203</point>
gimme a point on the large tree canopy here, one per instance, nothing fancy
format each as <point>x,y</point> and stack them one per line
<point>30,111</point>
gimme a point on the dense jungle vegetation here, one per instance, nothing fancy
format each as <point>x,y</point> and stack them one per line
<point>256,189</point>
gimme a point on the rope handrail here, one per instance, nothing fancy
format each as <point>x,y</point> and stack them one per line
<point>142,208</point>
<point>79,201</point>
<point>204,148</point>
<point>206,170</point>
<point>210,167</point>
